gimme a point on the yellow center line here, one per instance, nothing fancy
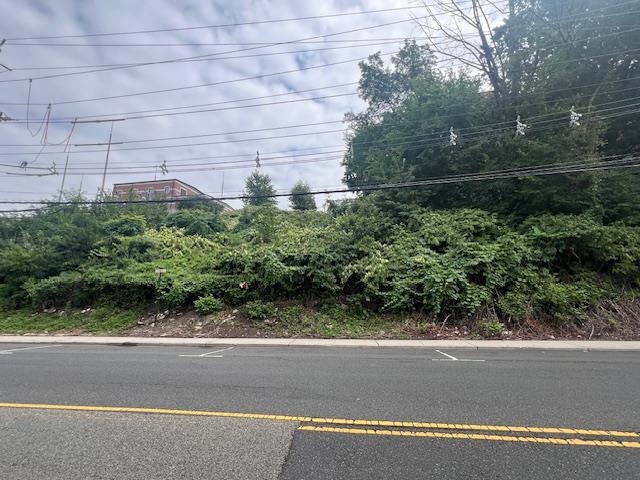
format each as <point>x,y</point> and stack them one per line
<point>334,421</point>
<point>157,411</point>
<point>473,436</point>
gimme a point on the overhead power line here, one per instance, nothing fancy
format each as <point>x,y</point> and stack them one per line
<point>211,84</point>
<point>217,54</point>
<point>481,129</point>
<point>197,105</point>
<point>290,19</point>
<point>230,44</point>
<point>118,66</point>
<point>255,77</point>
<point>523,172</point>
<point>131,169</point>
<point>233,132</point>
<point>215,167</point>
<point>209,56</point>
<point>204,44</point>
<point>233,57</point>
<point>481,136</point>
<point>129,115</point>
<point>89,119</point>
<point>224,56</point>
<point>222,25</point>
<point>268,54</point>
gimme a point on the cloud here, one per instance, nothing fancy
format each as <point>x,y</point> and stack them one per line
<point>72,17</point>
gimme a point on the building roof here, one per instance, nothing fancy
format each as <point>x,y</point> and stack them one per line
<point>225,205</point>
<point>164,180</point>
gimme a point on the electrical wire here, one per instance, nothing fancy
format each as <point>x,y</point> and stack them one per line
<point>199,44</point>
<point>282,127</point>
<point>198,105</point>
<point>311,67</point>
<point>211,84</point>
<point>315,17</point>
<point>216,166</point>
<point>118,66</point>
<point>124,114</point>
<point>225,25</point>
<point>194,57</point>
<point>253,55</point>
<point>266,54</point>
<point>549,169</point>
<point>479,128</point>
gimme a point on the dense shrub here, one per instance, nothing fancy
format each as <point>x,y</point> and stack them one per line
<point>126,225</point>
<point>258,310</point>
<point>197,221</point>
<point>490,328</point>
<point>207,305</point>
<point>538,294</point>
<point>377,255</point>
<point>453,267</point>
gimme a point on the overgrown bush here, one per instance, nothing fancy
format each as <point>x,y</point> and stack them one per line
<point>126,225</point>
<point>538,294</point>
<point>197,221</point>
<point>208,305</point>
<point>490,328</point>
<point>258,310</point>
<point>375,255</point>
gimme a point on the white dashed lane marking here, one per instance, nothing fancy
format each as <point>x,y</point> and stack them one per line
<point>451,358</point>
<point>10,351</point>
<point>210,354</point>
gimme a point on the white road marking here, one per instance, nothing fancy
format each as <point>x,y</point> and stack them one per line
<point>10,351</point>
<point>210,354</point>
<point>451,358</point>
<point>456,360</point>
<point>447,355</point>
<point>203,356</point>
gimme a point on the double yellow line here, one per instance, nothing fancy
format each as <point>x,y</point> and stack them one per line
<point>460,431</point>
<point>474,436</point>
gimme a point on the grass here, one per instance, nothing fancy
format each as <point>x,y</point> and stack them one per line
<point>100,321</point>
<point>330,321</point>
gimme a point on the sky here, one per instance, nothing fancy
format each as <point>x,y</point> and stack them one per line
<point>316,149</point>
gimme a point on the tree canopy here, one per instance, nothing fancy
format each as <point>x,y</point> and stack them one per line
<point>549,59</point>
<point>258,186</point>
<point>300,198</point>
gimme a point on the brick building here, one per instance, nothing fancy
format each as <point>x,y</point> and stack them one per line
<point>157,189</point>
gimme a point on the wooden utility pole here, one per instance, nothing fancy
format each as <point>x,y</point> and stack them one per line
<point>64,176</point>
<point>106,161</point>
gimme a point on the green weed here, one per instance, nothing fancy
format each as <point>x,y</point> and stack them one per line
<point>100,321</point>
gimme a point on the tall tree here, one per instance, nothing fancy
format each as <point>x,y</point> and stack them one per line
<point>470,38</point>
<point>410,140</point>
<point>258,187</point>
<point>300,198</point>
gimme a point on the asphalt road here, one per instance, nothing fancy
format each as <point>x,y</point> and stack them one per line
<point>576,390</point>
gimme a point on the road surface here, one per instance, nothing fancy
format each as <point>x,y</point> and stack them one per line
<point>124,412</point>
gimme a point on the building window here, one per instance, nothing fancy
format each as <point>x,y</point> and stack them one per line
<point>149,193</point>
<point>167,190</point>
<point>183,192</point>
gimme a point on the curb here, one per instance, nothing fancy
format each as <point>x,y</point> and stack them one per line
<point>572,345</point>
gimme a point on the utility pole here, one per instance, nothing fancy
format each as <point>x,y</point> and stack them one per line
<point>64,176</point>
<point>106,162</point>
